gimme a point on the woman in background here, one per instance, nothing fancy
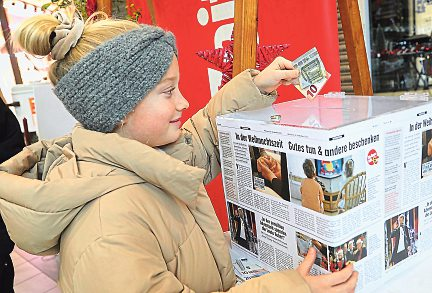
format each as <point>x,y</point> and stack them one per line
<point>311,191</point>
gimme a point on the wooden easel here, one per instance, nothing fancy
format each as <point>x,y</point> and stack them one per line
<point>104,6</point>
<point>245,32</point>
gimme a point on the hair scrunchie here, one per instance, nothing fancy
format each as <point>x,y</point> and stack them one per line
<point>67,33</point>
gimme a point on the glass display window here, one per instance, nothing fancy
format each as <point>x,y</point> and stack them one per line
<point>401,45</point>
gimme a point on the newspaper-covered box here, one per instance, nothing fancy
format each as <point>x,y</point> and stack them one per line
<point>349,176</point>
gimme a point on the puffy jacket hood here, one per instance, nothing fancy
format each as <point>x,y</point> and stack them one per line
<point>42,188</point>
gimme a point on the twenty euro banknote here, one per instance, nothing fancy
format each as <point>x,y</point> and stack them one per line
<point>313,75</point>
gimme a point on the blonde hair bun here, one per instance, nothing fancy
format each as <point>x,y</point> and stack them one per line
<point>33,34</point>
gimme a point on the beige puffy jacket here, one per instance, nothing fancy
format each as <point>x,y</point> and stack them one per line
<point>129,218</point>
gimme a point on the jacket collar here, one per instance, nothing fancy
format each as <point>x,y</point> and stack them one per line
<point>156,167</point>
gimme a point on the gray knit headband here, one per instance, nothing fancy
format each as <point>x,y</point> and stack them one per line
<point>104,86</point>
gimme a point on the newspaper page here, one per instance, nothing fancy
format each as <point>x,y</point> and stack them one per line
<point>361,193</point>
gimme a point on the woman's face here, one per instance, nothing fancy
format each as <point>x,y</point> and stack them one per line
<point>155,121</point>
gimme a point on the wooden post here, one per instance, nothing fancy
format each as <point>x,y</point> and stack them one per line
<point>6,34</point>
<point>355,46</point>
<point>27,139</point>
<point>104,6</point>
<point>245,34</point>
<point>151,9</point>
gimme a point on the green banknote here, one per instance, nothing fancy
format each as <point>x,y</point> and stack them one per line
<point>313,75</point>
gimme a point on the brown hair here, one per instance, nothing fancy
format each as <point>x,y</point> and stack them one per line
<point>309,169</point>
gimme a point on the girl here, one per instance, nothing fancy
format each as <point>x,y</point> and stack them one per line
<point>123,199</point>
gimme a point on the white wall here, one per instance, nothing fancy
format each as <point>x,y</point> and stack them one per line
<point>364,14</point>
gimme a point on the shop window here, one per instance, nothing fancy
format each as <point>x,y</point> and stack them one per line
<point>401,45</point>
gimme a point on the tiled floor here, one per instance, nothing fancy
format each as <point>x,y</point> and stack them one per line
<point>34,274</point>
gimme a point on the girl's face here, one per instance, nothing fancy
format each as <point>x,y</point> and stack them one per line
<point>155,121</point>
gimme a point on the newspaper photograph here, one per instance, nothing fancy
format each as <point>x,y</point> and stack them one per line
<point>401,236</point>
<point>351,251</point>
<point>305,242</point>
<point>243,227</point>
<point>269,172</point>
<point>329,187</point>
<point>426,158</point>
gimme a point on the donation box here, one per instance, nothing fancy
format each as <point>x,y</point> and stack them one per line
<point>349,176</point>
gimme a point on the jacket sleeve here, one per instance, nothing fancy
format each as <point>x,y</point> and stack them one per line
<point>284,281</point>
<point>113,264</point>
<point>124,262</point>
<point>198,146</point>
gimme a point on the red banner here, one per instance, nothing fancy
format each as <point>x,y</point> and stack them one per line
<point>204,25</point>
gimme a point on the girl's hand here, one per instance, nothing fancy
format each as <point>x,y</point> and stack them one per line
<point>280,71</point>
<point>342,281</point>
